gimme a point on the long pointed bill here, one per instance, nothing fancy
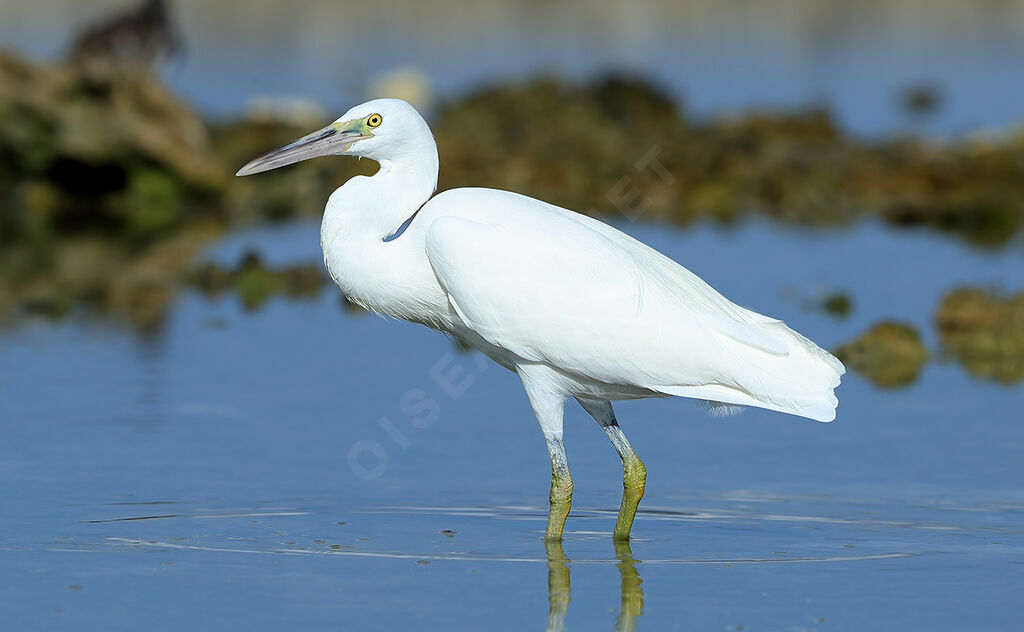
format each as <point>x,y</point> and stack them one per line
<point>336,138</point>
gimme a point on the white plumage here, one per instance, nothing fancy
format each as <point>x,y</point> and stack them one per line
<point>575,306</point>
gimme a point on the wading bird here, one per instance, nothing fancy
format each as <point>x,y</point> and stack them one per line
<point>575,307</point>
<point>134,39</point>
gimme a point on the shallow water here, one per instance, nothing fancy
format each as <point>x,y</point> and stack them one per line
<point>271,469</point>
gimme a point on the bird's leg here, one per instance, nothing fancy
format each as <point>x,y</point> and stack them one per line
<point>634,473</point>
<point>561,490</point>
<point>548,403</point>
<point>634,478</point>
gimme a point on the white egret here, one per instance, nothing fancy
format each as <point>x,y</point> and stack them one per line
<point>575,307</point>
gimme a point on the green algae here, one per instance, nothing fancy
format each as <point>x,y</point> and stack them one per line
<point>107,146</point>
<point>574,145</point>
<point>255,283</point>
<point>99,140</point>
<point>103,173</point>
<point>890,354</point>
<point>837,304</point>
<point>983,330</point>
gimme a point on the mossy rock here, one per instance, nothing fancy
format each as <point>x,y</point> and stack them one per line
<point>578,146</point>
<point>584,147</point>
<point>117,149</point>
<point>890,354</point>
<point>984,331</point>
<point>255,283</point>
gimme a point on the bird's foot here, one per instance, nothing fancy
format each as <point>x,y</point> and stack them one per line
<point>634,478</point>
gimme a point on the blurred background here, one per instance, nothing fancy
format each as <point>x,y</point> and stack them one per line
<point>168,334</point>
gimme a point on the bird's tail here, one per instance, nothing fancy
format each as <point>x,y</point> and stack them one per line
<point>800,381</point>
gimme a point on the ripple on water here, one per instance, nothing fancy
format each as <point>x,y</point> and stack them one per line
<point>726,530</point>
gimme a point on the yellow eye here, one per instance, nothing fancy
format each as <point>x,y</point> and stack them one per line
<point>375,120</point>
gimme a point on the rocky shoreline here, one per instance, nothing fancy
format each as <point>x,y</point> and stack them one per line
<point>110,185</point>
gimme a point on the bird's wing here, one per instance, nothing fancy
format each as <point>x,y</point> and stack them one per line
<point>558,288</point>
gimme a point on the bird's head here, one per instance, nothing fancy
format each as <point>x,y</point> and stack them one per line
<point>382,129</point>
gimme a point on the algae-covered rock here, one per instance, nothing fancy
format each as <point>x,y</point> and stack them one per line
<point>255,283</point>
<point>620,147</point>
<point>92,152</point>
<point>834,303</point>
<point>890,354</point>
<point>110,145</point>
<point>837,304</point>
<point>109,183</point>
<point>984,331</point>
<point>596,148</point>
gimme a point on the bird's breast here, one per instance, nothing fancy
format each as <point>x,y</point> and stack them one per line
<point>384,280</point>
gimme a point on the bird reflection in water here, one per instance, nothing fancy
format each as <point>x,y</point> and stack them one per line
<point>558,585</point>
<point>559,592</point>
<point>632,593</point>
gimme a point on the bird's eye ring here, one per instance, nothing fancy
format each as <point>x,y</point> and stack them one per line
<point>375,120</point>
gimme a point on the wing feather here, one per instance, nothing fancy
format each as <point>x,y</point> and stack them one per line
<point>560,288</point>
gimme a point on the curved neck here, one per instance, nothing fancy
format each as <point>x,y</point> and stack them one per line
<point>400,188</point>
<point>378,274</point>
<point>377,206</point>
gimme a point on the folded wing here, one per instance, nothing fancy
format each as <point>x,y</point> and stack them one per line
<point>566,290</point>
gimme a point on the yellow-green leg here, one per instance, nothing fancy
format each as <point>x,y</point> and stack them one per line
<point>634,477</point>
<point>561,490</point>
<point>543,388</point>
<point>634,473</point>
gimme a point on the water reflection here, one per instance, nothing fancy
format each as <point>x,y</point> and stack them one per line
<point>560,593</point>
<point>632,607</point>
